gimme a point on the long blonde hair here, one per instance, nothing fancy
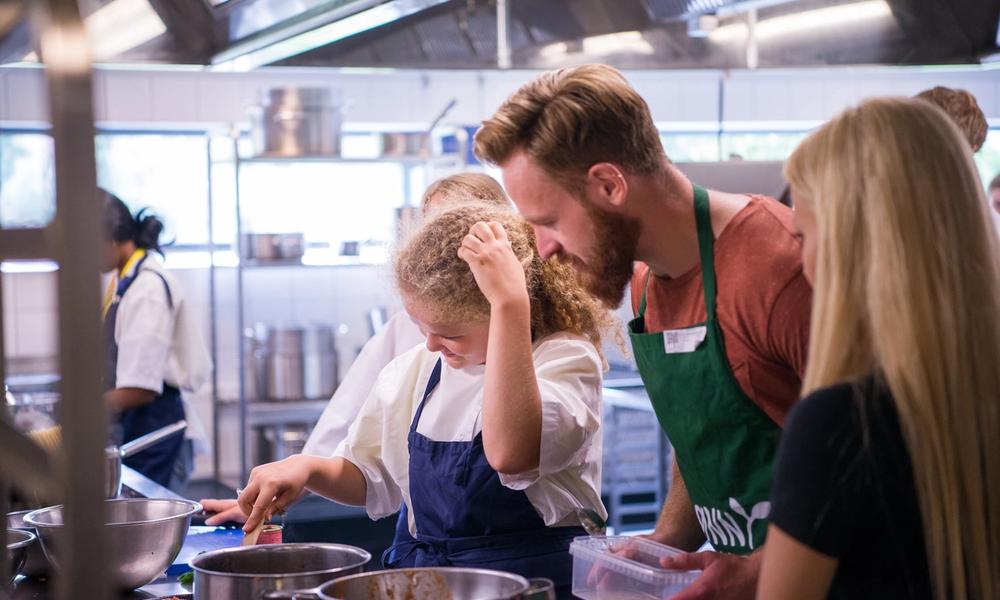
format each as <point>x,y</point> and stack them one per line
<point>907,286</point>
<point>428,269</point>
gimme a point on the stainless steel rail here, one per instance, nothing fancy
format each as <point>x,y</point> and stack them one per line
<point>72,240</point>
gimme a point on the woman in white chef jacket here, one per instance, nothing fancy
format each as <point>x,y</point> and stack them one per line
<point>155,354</point>
<point>397,336</point>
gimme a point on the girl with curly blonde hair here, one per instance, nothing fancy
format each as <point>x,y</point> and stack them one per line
<point>489,433</point>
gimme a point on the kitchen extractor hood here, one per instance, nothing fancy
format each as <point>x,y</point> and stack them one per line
<point>242,34</point>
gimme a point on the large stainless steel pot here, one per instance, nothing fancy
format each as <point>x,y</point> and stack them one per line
<point>18,542</point>
<point>113,455</point>
<point>250,572</point>
<point>35,563</point>
<point>440,583</point>
<point>146,534</point>
<point>273,246</point>
<point>292,362</point>
<point>296,122</point>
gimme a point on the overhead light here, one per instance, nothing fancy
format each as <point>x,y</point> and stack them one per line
<point>806,21</point>
<point>624,42</point>
<point>320,30</point>
<point>121,25</point>
<point>702,25</point>
<point>627,42</point>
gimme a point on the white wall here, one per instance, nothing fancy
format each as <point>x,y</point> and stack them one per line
<point>136,98</point>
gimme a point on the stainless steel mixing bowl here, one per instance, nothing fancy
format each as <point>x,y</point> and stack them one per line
<point>146,535</point>
<point>18,542</point>
<point>35,565</point>
<point>453,583</point>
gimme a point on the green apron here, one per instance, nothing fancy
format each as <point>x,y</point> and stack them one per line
<point>724,444</point>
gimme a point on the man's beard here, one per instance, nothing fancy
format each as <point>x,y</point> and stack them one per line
<point>609,268</point>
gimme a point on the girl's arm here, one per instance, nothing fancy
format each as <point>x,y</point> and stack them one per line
<point>792,570</point>
<point>275,486</point>
<point>512,406</point>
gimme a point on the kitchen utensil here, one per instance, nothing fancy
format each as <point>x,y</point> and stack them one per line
<point>625,567</point>
<point>440,583</point>
<point>273,246</point>
<point>250,537</point>
<point>293,362</point>
<point>414,143</point>
<point>18,542</point>
<point>591,521</point>
<point>113,456</point>
<point>252,571</point>
<point>146,534</point>
<point>35,564</point>
<point>294,121</point>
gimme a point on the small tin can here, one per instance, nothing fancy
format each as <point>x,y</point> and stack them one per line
<point>270,534</point>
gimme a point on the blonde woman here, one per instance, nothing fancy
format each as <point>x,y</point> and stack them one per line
<point>489,434</point>
<point>887,482</point>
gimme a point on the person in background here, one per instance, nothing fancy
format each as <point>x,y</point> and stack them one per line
<point>397,336</point>
<point>995,193</point>
<point>722,307</point>
<point>963,109</point>
<point>490,434</point>
<point>887,482</point>
<point>156,357</point>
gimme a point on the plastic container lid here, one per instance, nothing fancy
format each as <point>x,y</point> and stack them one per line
<point>636,563</point>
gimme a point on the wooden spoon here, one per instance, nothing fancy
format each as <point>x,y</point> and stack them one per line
<point>250,537</point>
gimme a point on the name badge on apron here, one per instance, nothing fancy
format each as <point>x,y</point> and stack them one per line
<point>680,341</point>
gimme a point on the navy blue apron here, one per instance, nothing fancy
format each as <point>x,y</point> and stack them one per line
<point>157,461</point>
<point>466,518</point>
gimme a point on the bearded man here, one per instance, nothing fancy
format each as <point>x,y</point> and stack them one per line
<point>720,301</point>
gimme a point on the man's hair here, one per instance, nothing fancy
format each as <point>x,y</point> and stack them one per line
<point>995,184</point>
<point>569,119</point>
<point>963,109</point>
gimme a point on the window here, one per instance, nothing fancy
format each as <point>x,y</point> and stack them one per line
<point>165,172</point>
<point>988,157</point>
<point>760,145</point>
<point>27,180</point>
<point>691,147</point>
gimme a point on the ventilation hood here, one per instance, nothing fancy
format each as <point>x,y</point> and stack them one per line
<point>462,34</point>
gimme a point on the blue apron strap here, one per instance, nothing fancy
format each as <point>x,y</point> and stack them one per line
<point>432,383</point>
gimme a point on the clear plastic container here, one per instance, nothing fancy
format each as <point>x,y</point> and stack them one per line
<point>624,568</point>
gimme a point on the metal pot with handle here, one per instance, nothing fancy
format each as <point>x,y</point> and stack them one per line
<point>113,455</point>
<point>441,583</point>
<point>250,572</point>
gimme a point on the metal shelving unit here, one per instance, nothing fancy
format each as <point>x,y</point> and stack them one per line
<point>282,414</point>
<point>72,240</point>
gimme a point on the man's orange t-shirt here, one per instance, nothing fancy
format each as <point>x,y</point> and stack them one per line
<point>762,304</point>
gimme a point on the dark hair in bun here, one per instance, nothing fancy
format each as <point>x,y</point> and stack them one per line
<point>143,229</point>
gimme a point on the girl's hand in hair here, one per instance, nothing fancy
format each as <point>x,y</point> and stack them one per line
<point>497,270</point>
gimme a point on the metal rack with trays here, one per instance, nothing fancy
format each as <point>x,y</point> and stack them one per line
<point>281,415</point>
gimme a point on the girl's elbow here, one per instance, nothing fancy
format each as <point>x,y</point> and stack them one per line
<point>509,462</point>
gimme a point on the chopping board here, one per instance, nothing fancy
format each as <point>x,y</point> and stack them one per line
<point>200,539</point>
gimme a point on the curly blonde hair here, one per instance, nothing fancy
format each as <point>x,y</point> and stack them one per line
<point>428,270</point>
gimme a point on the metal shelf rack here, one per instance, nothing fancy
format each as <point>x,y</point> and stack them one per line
<point>251,414</point>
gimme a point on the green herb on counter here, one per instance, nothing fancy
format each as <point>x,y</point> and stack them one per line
<point>186,579</point>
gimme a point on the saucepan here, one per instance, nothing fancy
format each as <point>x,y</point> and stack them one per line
<point>250,572</point>
<point>441,583</point>
<point>113,455</point>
